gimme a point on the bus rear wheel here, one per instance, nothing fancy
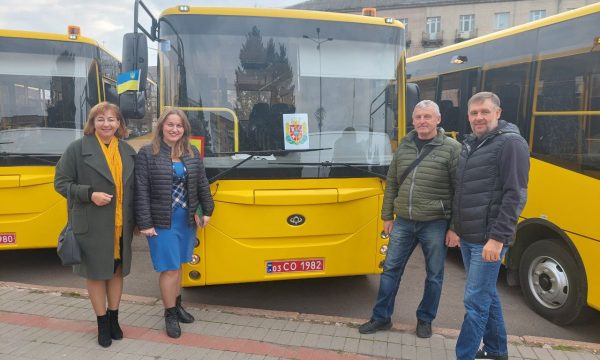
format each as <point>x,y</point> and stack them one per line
<point>552,284</point>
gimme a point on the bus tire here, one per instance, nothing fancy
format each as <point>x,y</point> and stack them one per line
<point>552,284</point>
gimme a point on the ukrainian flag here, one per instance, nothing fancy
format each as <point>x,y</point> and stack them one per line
<point>128,81</point>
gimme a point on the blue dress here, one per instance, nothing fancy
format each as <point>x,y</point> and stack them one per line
<point>174,246</point>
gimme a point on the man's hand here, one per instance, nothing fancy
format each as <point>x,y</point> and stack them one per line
<point>452,239</point>
<point>491,250</point>
<point>388,225</point>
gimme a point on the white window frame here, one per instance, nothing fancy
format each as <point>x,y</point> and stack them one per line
<point>466,23</point>
<point>433,23</point>
<point>498,24</point>
<point>536,15</point>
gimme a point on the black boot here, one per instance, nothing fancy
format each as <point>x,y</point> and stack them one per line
<point>115,330</point>
<point>183,316</point>
<point>171,322</point>
<point>104,331</point>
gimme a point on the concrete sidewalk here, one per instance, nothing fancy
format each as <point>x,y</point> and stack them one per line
<point>58,323</point>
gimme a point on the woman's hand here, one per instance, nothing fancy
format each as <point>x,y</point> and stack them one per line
<point>101,199</point>
<point>201,222</point>
<point>149,232</point>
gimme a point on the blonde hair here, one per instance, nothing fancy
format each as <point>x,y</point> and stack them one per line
<point>101,108</point>
<point>182,146</point>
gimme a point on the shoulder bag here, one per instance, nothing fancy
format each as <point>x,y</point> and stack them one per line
<point>426,150</point>
<point>68,248</point>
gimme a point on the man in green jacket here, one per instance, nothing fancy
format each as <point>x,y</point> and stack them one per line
<point>422,203</point>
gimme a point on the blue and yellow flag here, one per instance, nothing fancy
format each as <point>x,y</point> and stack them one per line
<point>128,81</point>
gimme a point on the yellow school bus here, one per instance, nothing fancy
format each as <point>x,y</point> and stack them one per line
<point>48,83</point>
<point>547,75</point>
<point>297,115</point>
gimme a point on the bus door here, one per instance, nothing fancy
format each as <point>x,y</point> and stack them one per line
<point>453,93</point>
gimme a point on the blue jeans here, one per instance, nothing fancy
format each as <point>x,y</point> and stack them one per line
<point>405,236</point>
<point>483,311</point>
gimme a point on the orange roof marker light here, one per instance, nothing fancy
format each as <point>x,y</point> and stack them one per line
<point>369,11</point>
<point>73,31</point>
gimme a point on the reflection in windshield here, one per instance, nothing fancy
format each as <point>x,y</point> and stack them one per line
<point>44,100</point>
<point>37,140</point>
<point>335,75</point>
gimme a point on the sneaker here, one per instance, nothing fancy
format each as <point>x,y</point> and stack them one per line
<point>481,354</point>
<point>373,326</point>
<point>423,329</point>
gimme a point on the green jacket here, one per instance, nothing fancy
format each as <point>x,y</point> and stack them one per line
<point>82,166</point>
<point>426,193</point>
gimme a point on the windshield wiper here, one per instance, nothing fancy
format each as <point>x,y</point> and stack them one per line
<point>354,166</point>
<point>270,152</point>
<point>252,154</point>
<point>36,157</point>
<point>6,142</point>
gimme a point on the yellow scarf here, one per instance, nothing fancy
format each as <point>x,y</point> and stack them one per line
<point>115,165</point>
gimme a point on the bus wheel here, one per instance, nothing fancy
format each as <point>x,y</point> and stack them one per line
<point>551,283</point>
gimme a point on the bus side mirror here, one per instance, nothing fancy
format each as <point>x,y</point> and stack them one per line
<point>413,97</point>
<point>135,57</point>
<point>111,94</point>
<point>133,104</point>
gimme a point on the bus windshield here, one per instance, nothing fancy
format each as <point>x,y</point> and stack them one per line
<point>238,77</point>
<point>46,90</point>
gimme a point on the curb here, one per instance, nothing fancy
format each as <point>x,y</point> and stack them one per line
<point>536,341</point>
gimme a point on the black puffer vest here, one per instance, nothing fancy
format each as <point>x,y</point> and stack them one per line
<point>478,190</point>
<point>154,180</point>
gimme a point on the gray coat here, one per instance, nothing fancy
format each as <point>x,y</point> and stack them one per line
<point>82,166</point>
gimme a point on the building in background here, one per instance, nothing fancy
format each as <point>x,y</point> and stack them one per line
<point>432,24</point>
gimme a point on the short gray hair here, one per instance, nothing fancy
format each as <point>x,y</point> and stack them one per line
<point>483,96</point>
<point>428,104</point>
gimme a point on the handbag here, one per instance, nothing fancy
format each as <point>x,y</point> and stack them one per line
<point>68,248</point>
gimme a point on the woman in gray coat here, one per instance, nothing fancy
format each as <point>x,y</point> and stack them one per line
<point>96,171</point>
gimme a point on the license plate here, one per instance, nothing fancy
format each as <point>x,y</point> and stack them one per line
<point>296,265</point>
<point>8,238</point>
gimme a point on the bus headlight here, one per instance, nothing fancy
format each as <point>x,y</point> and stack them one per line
<point>194,275</point>
<point>197,242</point>
<point>383,249</point>
<point>195,259</point>
<point>383,235</point>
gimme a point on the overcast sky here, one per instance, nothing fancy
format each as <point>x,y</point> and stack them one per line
<point>103,20</point>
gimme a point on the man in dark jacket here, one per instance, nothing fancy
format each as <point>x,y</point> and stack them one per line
<point>422,204</point>
<point>490,193</point>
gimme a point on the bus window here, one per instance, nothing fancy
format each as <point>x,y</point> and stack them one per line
<point>510,84</point>
<point>455,90</point>
<point>561,83</point>
<point>450,101</point>
<point>563,141</point>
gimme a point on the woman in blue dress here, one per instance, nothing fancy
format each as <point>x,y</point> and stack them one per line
<point>171,185</point>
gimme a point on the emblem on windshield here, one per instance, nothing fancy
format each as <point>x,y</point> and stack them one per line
<point>296,220</point>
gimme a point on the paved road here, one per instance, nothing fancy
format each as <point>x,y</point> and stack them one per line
<point>349,296</point>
